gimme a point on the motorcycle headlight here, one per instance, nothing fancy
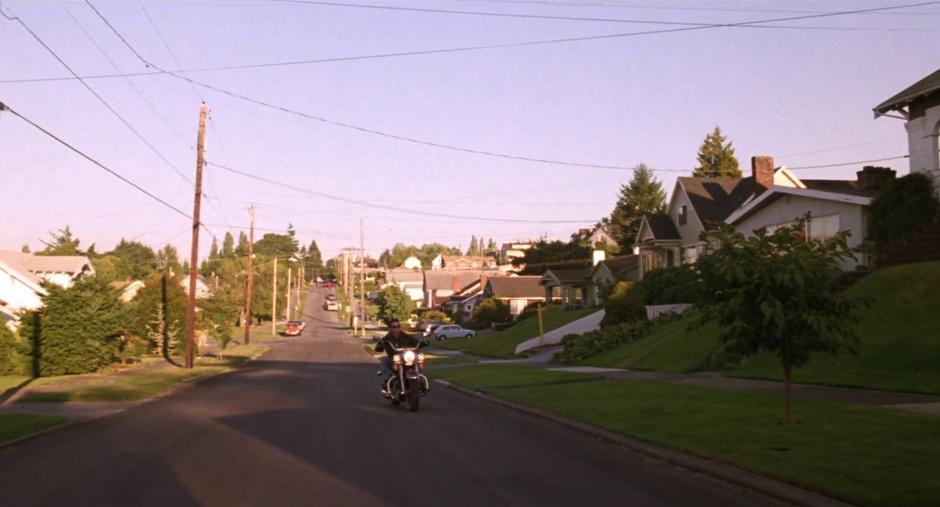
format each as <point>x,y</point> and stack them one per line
<point>409,357</point>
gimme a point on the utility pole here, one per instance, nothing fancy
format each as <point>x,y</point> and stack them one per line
<point>362,278</point>
<point>289,272</point>
<point>274,300</point>
<point>194,250</point>
<point>251,273</point>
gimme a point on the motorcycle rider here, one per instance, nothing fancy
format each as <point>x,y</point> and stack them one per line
<point>394,339</point>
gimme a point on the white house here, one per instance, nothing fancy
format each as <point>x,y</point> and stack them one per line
<point>412,263</point>
<point>410,282</point>
<point>919,106</point>
<point>203,291</point>
<point>129,288</point>
<point>61,270</point>
<point>462,262</point>
<point>19,290</point>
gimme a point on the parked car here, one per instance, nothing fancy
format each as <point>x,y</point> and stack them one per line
<point>329,285</point>
<point>447,331</point>
<point>300,323</point>
<point>331,306</point>
<point>292,329</point>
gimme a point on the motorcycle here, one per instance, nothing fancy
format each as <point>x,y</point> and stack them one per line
<point>407,383</point>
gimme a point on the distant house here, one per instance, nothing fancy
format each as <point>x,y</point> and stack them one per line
<point>203,290</point>
<point>517,291</point>
<point>834,206</point>
<point>440,285</point>
<point>514,250</point>
<point>462,262</point>
<point>607,272</point>
<point>919,106</point>
<point>596,236</point>
<point>568,287</point>
<point>410,282</point>
<point>62,270</point>
<point>412,263</point>
<point>129,288</point>
<point>464,301</point>
<point>697,207</point>
<point>19,290</point>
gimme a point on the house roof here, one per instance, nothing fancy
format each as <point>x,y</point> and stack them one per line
<point>922,88</point>
<point>71,264</point>
<point>404,275</point>
<point>16,270</point>
<point>449,280</point>
<point>617,265</point>
<point>848,187</point>
<point>513,287</point>
<point>566,276</point>
<point>661,226</point>
<point>715,198</point>
<point>775,193</point>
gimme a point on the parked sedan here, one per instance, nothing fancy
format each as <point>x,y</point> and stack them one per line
<point>453,331</point>
<point>292,329</point>
<point>302,324</point>
<point>331,306</point>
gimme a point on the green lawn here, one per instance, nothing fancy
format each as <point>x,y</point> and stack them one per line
<point>13,426</point>
<point>502,376</point>
<point>865,455</point>
<point>900,337</point>
<point>503,344</point>
<point>11,381</point>
<point>670,346</point>
<point>133,386</point>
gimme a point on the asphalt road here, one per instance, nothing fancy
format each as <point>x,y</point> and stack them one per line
<point>305,425</point>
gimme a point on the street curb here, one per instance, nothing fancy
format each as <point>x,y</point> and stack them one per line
<point>68,423</point>
<point>728,473</point>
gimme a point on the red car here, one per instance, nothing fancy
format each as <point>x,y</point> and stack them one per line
<point>329,285</point>
<point>292,329</point>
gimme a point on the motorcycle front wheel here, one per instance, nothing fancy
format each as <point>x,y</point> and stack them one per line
<point>413,399</point>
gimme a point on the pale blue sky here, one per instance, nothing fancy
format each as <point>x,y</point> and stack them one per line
<point>803,96</point>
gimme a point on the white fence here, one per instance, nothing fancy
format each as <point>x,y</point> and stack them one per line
<point>653,311</point>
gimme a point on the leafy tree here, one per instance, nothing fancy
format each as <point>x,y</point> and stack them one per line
<point>673,285</point>
<point>313,262</point>
<point>331,269</point>
<point>908,205</point>
<point>626,303</point>
<point>553,251</point>
<point>168,259</point>
<point>490,310</point>
<point>228,246</point>
<point>643,195</point>
<point>774,292</point>
<point>79,329</point>
<point>716,157</point>
<point>61,243</point>
<point>394,304</point>
<point>280,245</point>
<point>133,259</point>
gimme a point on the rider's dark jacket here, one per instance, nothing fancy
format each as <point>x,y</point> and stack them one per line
<point>401,341</point>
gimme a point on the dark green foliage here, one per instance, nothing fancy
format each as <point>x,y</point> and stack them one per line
<point>228,246</point>
<point>490,311</point>
<point>394,304</point>
<point>667,286</point>
<point>313,262</point>
<point>579,347</point>
<point>280,245</point>
<point>11,349</point>
<point>774,292</point>
<point>643,195</point>
<point>626,303</point>
<point>716,158</point>
<point>61,243</point>
<point>132,260</point>
<point>436,315</point>
<point>554,251</point>
<point>81,328</point>
<point>905,207</point>
<point>426,253</point>
<point>158,313</point>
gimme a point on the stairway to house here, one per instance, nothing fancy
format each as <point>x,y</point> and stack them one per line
<point>922,246</point>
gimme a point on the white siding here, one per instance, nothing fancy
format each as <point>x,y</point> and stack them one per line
<point>689,232</point>
<point>16,294</point>
<point>788,208</point>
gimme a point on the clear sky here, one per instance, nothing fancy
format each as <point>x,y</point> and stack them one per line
<point>802,93</point>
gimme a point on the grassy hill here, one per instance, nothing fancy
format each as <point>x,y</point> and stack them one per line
<point>899,340</point>
<point>670,346</point>
<point>899,333</point>
<point>503,344</point>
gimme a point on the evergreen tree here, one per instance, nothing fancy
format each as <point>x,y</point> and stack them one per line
<point>473,246</point>
<point>25,248</point>
<point>168,259</point>
<point>133,260</point>
<point>643,195</point>
<point>61,243</point>
<point>716,158</point>
<point>228,246</point>
<point>242,249</point>
<point>313,262</point>
<point>214,249</point>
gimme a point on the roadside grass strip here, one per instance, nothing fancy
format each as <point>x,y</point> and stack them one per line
<point>861,454</point>
<point>499,376</point>
<point>503,344</point>
<point>669,346</point>
<point>14,426</point>
<point>11,381</point>
<point>135,386</point>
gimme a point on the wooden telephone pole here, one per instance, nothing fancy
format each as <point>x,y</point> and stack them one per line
<point>274,300</point>
<point>362,279</point>
<point>251,273</point>
<point>194,253</point>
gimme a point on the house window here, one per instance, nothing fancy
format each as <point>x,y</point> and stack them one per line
<point>683,214</point>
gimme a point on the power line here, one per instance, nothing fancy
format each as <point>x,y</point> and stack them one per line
<point>398,209</point>
<point>755,24</point>
<point>4,107</point>
<point>99,97</point>
<point>842,164</point>
<point>452,147</point>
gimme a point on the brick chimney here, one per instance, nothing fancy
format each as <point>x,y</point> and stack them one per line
<point>871,177</point>
<point>762,170</point>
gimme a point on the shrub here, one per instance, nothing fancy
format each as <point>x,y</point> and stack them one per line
<point>579,347</point>
<point>667,286</point>
<point>625,304</point>
<point>79,328</point>
<point>158,313</point>
<point>436,315</point>
<point>10,352</point>
<point>905,207</point>
<point>490,310</point>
